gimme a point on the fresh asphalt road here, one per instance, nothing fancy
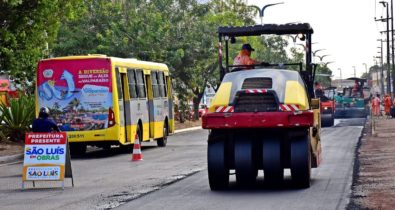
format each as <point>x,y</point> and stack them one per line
<point>105,180</point>
<point>175,177</point>
<point>331,183</point>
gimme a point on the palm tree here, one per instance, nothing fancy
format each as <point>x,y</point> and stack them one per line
<point>75,103</point>
<point>56,109</point>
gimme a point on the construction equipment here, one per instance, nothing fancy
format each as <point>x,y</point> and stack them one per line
<point>354,100</point>
<point>263,118</point>
<point>328,107</point>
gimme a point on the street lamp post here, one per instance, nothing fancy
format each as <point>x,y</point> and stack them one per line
<point>322,57</point>
<point>341,82</point>
<point>355,72</point>
<point>366,69</point>
<point>315,52</point>
<point>262,11</point>
<point>377,69</point>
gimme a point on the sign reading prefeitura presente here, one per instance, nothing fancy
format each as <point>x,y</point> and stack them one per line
<point>46,157</point>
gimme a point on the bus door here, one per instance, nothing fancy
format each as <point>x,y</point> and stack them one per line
<point>137,109</point>
<point>156,103</point>
<point>163,94</point>
<point>121,78</point>
<point>171,103</point>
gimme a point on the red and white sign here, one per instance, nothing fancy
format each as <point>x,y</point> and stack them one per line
<point>224,109</point>
<point>256,91</point>
<point>44,156</point>
<point>289,107</point>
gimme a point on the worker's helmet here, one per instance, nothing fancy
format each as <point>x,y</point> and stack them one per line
<point>44,112</point>
<point>247,47</point>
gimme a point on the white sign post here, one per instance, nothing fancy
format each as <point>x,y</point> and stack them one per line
<point>46,158</point>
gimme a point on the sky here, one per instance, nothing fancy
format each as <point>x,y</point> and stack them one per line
<point>346,29</point>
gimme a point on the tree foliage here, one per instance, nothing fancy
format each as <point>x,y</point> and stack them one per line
<point>25,29</point>
<point>180,33</point>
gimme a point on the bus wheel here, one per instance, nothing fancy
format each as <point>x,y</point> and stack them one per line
<point>163,141</point>
<point>77,149</point>
<point>106,147</point>
<point>139,135</point>
<point>128,148</point>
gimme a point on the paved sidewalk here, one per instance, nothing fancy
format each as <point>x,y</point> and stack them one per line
<point>374,177</point>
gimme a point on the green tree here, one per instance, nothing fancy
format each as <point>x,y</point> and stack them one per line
<point>323,75</point>
<point>25,30</point>
<point>181,33</point>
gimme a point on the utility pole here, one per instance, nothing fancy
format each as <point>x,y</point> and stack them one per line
<point>387,19</point>
<point>382,68</point>
<point>393,55</point>
<point>385,4</point>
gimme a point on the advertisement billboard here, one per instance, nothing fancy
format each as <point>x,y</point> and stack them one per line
<point>78,92</point>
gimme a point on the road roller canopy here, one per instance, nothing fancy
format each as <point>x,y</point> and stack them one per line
<point>257,30</point>
<point>287,84</point>
<point>303,31</point>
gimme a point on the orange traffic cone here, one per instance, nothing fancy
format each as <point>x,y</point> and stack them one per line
<point>136,156</point>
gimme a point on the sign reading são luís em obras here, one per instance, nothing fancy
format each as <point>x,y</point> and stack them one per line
<point>44,156</point>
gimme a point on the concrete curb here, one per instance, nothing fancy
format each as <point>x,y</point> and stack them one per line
<point>14,158</point>
<point>10,158</point>
<point>188,129</point>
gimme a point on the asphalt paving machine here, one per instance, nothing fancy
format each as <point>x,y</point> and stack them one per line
<point>328,107</point>
<point>354,102</point>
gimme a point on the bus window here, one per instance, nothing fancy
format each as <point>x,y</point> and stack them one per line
<point>155,86</point>
<point>119,84</point>
<point>140,84</point>
<point>132,83</point>
<point>162,86</point>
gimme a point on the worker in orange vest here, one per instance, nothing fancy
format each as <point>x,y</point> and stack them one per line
<point>376,105</point>
<point>387,105</point>
<point>244,60</point>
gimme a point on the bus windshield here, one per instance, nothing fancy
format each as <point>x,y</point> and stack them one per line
<point>77,92</point>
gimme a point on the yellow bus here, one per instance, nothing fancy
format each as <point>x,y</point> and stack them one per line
<point>104,101</point>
